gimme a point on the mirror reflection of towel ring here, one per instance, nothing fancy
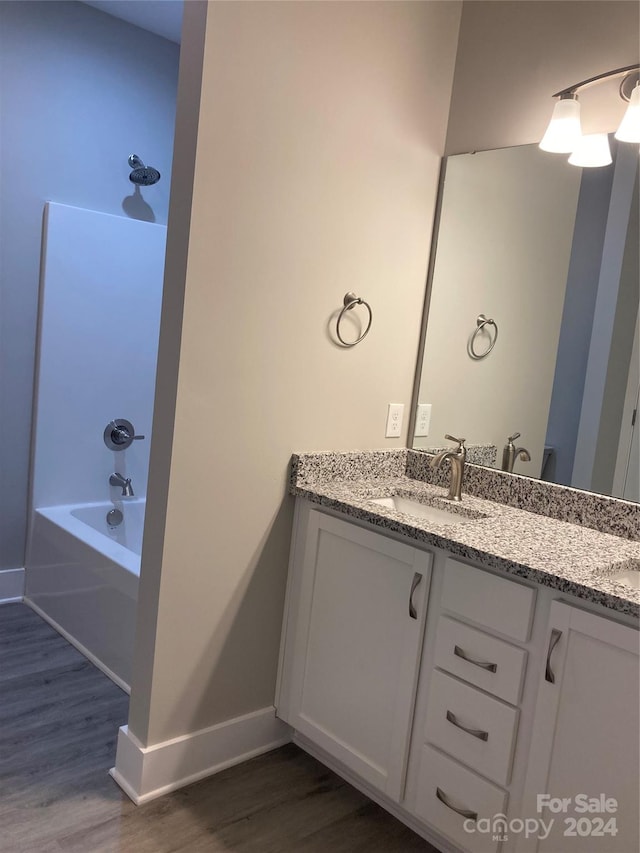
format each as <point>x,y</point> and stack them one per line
<point>350,299</point>
<point>481,323</point>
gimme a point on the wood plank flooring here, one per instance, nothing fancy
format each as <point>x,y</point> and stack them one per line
<point>59,718</point>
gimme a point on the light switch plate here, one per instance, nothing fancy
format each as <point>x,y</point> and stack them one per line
<point>423,420</point>
<point>394,420</point>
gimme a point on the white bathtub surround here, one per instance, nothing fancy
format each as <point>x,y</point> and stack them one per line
<point>101,293</point>
<point>145,773</point>
<point>11,585</point>
<point>100,299</point>
<point>82,578</point>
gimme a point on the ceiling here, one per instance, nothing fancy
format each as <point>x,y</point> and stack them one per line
<point>162,17</point>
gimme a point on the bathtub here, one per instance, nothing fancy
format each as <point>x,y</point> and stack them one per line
<point>82,577</point>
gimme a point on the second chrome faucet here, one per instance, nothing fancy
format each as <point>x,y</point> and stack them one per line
<point>457,458</point>
<point>511,453</point>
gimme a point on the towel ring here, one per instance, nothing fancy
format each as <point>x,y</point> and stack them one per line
<point>481,322</point>
<point>350,299</point>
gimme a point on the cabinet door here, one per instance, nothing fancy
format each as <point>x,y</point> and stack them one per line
<point>585,736</point>
<point>357,635</point>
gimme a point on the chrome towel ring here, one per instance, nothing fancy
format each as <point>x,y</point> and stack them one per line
<point>481,323</point>
<point>350,299</point>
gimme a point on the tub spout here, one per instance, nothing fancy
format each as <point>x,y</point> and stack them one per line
<point>124,483</point>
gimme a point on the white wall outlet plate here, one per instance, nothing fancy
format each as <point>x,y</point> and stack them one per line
<point>423,420</point>
<point>394,420</point>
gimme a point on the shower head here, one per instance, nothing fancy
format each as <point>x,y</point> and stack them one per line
<point>141,174</point>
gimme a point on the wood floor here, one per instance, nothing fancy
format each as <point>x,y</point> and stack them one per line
<point>59,718</point>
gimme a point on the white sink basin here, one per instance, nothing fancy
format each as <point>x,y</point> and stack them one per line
<point>420,510</point>
<point>631,579</point>
<point>630,574</point>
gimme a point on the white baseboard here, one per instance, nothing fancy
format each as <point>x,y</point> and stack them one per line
<point>145,773</point>
<point>11,585</point>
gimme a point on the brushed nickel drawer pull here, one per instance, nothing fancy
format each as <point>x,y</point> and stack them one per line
<point>464,812</point>
<point>414,585</point>
<point>460,653</point>
<point>475,732</point>
<point>553,642</point>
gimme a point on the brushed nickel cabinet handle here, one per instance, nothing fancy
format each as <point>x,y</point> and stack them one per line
<point>475,732</point>
<point>440,794</point>
<point>553,642</point>
<point>490,667</point>
<point>413,613</point>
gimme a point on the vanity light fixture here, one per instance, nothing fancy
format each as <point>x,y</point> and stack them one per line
<point>629,130</point>
<point>564,129</point>
<point>564,133</point>
<point>591,150</point>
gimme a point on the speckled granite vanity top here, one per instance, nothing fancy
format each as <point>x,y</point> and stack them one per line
<point>563,554</point>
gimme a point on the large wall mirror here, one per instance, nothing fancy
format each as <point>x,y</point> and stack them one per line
<point>549,253</point>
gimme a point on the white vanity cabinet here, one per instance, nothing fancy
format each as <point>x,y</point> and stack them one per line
<point>467,728</point>
<point>585,735</point>
<point>353,636</point>
<point>502,694</point>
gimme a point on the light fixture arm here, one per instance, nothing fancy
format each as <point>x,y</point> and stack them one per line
<point>627,71</point>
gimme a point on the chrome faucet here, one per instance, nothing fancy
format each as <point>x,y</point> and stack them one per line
<point>457,459</point>
<point>124,483</point>
<point>511,453</point>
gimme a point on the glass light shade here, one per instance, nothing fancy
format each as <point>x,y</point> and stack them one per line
<point>592,150</point>
<point>564,129</point>
<point>629,130</point>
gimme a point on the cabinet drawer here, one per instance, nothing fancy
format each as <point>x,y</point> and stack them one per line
<point>488,744</point>
<point>502,605</point>
<point>443,787</point>
<point>480,659</point>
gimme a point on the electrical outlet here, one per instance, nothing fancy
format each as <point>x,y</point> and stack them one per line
<point>394,420</point>
<point>423,420</point>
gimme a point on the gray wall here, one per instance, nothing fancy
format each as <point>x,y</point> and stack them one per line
<point>615,312</point>
<point>79,92</point>
<point>321,130</point>
<point>620,354</point>
<point>577,321</point>
<point>514,54</point>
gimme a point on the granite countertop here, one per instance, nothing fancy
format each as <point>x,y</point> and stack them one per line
<point>568,557</point>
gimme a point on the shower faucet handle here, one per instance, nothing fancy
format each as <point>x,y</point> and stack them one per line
<point>119,434</point>
<point>123,434</point>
